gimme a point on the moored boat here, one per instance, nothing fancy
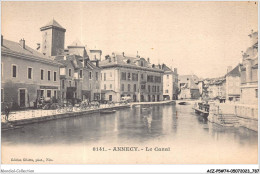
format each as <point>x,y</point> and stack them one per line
<point>183,103</point>
<point>107,111</point>
<point>202,109</point>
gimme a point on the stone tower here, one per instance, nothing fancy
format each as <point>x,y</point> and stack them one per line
<point>53,38</point>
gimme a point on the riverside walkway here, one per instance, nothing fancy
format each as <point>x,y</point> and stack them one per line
<point>17,118</point>
<point>38,115</point>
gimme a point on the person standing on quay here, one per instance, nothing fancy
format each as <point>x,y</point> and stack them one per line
<point>7,110</point>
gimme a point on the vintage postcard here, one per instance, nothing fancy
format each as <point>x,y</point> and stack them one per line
<point>129,82</point>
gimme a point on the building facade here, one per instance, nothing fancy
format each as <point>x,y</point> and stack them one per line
<point>217,89</point>
<point>170,83</point>
<point>249,73</point>
<point>233,84</point>
<point>188,87</point>
<point>130,76</point>
<point>53,38</point>
<point>27,75</point>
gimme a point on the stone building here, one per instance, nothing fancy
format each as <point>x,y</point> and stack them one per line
<point>27,75</point>
<point>90,73</point>
<point>249,73</point>
<point>70,83</point>
<point>130,76</point>
<point>188,87</point>
<point>53,38</point>
<point>170,83</point>
<point>217,89</point>
<point>233,84</point>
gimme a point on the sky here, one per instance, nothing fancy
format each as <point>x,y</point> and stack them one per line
<point>200,38</point>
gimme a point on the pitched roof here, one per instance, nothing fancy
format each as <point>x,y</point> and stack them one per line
<point>185,78</point>
<point>52,23</point>
<point>234,72</point>
<point>70,59</point>
<point>166,68</point>
<point>76,43</point>
<point>14,47</point>
<point>193,85</point>
<point>127,61</point>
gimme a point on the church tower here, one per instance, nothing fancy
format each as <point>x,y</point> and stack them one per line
<point>53,38</point>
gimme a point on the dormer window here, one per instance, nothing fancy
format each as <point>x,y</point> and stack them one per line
<point>128,61</point>
<point>142,63</point>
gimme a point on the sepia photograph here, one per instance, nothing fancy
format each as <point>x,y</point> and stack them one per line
<point>137,82</point>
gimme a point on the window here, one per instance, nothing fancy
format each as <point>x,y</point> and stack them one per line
<point>29,73</point>
<point>62,84</point>
<point>70,72</point>
<point>42,93</point>
<point>90,75</point>
<point>134,87</point>
<point>142,63</point>
<point>105,76</point>
<point>158,88</point>
<point>122,87</point>
<point>80,73</point>
<point>149,88</point>
<point>166,91</point>
<point>96,75</point>
<point>123,76</point>
<point>142,86</point>
<point>167,76</point>
<point>48,93</point>
<point>256,93</point>
<point>1,69</point>
<point>14,70</point>
<point>110,97</point>
<point>110,86</point>
<point>42,74</point>
<point>2,95</point>
<point>129,87</point>
<point>142,76</point>
<point>105,86</point>
<point>129,76</point>
<point>157,79</point>
<point>55,94</point>
<point>70,83</point>
<point>134,77</point>
<point>76,84</point>
<point>149,78</point>
<point>49,75</point>
<point>55,76</point>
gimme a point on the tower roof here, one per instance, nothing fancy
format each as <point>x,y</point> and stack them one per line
<point>52,24</point>
<point>76,43</point>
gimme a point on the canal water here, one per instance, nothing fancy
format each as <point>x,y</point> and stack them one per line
<point>186,138</point>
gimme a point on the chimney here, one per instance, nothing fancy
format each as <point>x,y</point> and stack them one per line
<point>22,43</point>
<point>2,39</point>
<point>38,46</point>
<point>148,60</point>
<point>123,53</point>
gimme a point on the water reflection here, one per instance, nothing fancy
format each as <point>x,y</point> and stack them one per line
<point>136,125</point>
